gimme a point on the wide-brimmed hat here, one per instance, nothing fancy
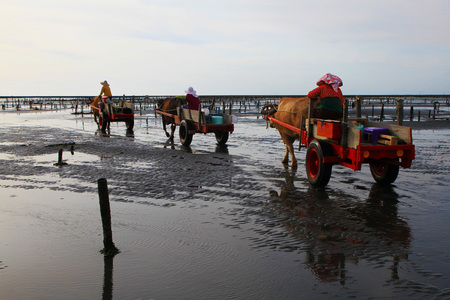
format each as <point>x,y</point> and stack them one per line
<point>104,83</point>
<point>330,79</point>
<point>191,91</point>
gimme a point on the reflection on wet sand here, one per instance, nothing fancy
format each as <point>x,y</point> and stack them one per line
<point>108,278</point>
<point>221,149</point>
<point>340,230</point>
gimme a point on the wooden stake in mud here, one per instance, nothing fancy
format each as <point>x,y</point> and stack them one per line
<point>60,159</point>
<point>105,211</point>
<point>358,107</point>
<point>400,112</point>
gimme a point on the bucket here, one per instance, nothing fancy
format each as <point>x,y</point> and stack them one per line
<point>216,120</point>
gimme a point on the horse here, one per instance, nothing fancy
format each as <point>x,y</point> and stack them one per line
<point>95,112</point>
<point>169,105</point>
<point>290,111</point>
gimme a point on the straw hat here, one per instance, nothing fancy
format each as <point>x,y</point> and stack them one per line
<point>104,83</point>
<point>191,91</point>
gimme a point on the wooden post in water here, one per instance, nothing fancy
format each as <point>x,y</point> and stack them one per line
<point>400,112</point>
<point>382,112</point>
<point>344,124</point>
<point>358,107</point>
<point>411,113</point>
<point>105,211</point>
<point>434,111</point>
<point>60,158</point>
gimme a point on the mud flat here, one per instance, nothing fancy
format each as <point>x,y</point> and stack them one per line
<point>211,222</point>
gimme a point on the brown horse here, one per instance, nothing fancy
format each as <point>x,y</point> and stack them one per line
<point>169,105</point>
<point>95,112</point>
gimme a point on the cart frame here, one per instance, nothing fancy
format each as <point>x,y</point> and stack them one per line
<point>350,150</point>
<point>194,121</point>
<point>110,114</point>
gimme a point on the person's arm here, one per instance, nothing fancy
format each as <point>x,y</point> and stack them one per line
<point>315,93</point>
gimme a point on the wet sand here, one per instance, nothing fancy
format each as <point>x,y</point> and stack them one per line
<point>211,222</point>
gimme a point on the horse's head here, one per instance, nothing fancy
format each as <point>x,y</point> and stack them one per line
<point>94,101</point>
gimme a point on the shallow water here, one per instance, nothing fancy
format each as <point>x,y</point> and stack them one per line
<point>209,222</point>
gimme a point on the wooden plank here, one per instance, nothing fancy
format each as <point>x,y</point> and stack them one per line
<point>353,137</point>
<point>387,139</point>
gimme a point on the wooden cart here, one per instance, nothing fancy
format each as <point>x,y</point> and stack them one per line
<point>194,121</point>
<point>115,113</point>
<point>351,143</point>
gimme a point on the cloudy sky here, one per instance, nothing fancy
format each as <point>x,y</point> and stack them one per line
<point>221,47</point>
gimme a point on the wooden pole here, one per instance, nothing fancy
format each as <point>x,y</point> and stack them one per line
<point>344,124</point>
<point>400,112</point>
<point>382,112</point>
<point>411,113</point>
<point>434,111</point>
<point>60,156</point>
<point>105,211</point>
<point>358,107</point>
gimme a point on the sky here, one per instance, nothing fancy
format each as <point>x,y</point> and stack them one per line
<point>223,47</point>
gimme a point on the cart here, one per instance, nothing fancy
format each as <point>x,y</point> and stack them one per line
<point>115,113</point>
<point>194,121</point>
<point>352,143</point>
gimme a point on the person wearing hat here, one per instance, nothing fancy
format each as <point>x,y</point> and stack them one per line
<point>192,99</point>
<point>330,96</point>
<point>106,91</point>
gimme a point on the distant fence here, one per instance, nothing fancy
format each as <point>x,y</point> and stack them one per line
<point>427,105</point>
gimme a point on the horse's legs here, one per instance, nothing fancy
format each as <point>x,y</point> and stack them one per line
<point>96,117</point>
<point>173,126</point>
<point>164,127</point>
<point>288,141</point>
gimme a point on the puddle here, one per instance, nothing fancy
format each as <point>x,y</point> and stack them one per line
<point>77,158</point>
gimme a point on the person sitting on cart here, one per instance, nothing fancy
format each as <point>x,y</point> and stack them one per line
<point>330,96</point>
<point>106,90</point>
<point>192,99</point>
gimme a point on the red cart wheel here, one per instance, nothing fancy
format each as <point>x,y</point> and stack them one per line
<point>383,172</point>
<point>185,136</point>
<point>319,173</point>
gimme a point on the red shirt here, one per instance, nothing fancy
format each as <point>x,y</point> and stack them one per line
<point>325,90</point>
<point>193,102</point>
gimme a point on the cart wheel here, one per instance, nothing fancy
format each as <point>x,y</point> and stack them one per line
<point>222,137</point>
<point>104,122</point>
<point>129,124</point>
<point>185,136</point>
<point>383,172</point>
<point>318,172</point>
